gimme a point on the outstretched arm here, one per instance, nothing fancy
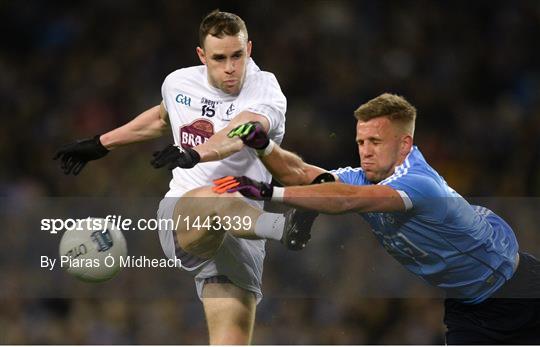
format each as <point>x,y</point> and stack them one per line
<point>148,125</point>
<point>218,147</point>
<point>287,167</point>
<point>221,146</point>
<point>330,198</point>
<point>337,198</point>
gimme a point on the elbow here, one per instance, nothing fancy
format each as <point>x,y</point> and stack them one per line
<point>162,126</point>
<point>294,178</point>
<point>347,205</point>
<point>156,129</point>
<point>302,176</point>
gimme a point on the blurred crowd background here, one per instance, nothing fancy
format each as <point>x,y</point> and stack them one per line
<point>71,70</point>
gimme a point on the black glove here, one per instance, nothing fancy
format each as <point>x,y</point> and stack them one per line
<point>174,157</point>
<point>252,134</point>
<point>74,156</point>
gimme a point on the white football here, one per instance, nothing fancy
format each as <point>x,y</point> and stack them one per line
<point>92,251</point>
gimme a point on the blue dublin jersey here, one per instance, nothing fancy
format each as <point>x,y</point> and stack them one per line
<point>466,250</point>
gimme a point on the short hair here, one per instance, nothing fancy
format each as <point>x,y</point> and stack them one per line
<point>219,24</point>
<point>392,106</point>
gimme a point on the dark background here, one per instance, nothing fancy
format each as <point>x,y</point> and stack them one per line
<point>73,69</point>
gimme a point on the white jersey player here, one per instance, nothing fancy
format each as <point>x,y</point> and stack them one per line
<point>201,105</point>
<point>197,110</point>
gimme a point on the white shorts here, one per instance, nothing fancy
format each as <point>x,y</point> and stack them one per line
<point>239,260</point>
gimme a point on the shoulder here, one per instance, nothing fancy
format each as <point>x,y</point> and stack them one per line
<point>419,190</point>
<point>351,175</point>
<point>418,182</point>
<point>262,79</point>
<point>184,75</point>
<point>348,169</point>
<point>257,78</point>
<point>263,94</point>
<point>415,177</point>
<point>415,172</point>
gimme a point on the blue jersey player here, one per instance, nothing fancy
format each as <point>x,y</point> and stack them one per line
<point>468,251</point>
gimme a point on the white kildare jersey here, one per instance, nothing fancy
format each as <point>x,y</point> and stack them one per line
<point>198,110</point>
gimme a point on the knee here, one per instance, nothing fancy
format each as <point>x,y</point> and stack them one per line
<point>207,192</point>
<point>201,246</point>
<point>205,202</point>
<point>201,192</point>
<point>186,244</point>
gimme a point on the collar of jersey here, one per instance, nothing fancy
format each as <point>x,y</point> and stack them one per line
<point>400,170</point>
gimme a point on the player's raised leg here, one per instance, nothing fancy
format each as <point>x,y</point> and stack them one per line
<point>207,216</point>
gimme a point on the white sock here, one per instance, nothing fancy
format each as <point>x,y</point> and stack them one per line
<point>270,226</point>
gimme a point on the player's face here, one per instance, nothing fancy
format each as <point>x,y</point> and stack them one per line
<point>226,59</point>
<point>382,147</point>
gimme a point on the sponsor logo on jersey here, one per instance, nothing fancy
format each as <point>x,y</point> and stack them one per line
<point>198,132</point>
<point>230,110</point>
<point>209,107</point>
<point>209,102</point>
<point>184,100</point>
